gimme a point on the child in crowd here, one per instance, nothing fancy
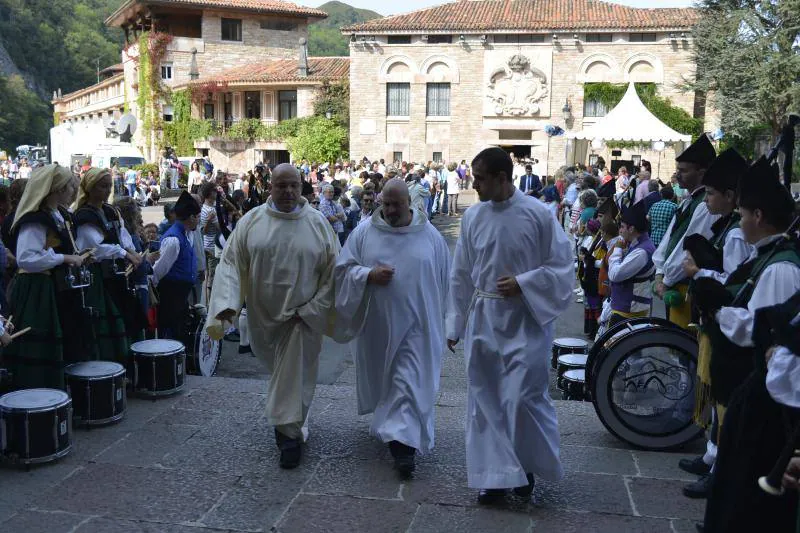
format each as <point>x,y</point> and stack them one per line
<point>610,233</point>
<point>588,270</point>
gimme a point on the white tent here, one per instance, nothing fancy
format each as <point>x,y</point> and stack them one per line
<point>630,120</point>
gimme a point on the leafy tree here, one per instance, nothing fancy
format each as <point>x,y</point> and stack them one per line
<point>334,97</point>
<point>25,118</point>
<point>748,61</point>
<point>318,139</point>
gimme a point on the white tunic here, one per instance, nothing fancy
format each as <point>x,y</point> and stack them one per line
<point>672,266</point>
<point>400,326</point>
<point>511,421</point>
<point>783,376</point>
<point>735,251</point>
<point>282,264</point>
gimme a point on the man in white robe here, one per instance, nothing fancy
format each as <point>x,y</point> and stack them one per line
<point>391,283</point>
<point>512,277</point>
<point>280,258</point>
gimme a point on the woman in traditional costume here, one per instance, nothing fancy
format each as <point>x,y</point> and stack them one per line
<point>40,298</point>
<point>119,317</point>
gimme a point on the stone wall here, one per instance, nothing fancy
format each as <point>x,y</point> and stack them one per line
<point>473,125</point>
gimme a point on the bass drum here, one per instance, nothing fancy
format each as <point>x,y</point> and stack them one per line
<point>203,353</point>
<point>641,376</point>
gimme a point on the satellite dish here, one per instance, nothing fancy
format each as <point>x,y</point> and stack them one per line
<point>126,127</point>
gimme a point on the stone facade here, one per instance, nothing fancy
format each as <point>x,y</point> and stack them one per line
<point>555,73</point>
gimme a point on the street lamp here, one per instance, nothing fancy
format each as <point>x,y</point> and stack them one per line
<point>567,110</point>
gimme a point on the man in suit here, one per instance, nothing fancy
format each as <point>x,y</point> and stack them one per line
<point>529,182</point>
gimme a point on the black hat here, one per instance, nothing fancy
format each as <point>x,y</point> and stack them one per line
<point>701,152</point>
<point>307,188</point>
<point>186,206</point>
<point>607,189</point>
<point>636,215</point>
<point>760,188</point>
<point>726,170</point>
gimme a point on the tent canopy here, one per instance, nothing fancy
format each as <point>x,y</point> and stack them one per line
<point>630,120</point>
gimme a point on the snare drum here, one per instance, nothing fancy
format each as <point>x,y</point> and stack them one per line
<point>159,367</point>
<point>570,361</point>
<point>574,385</point>
<point>35,425</point>
<point>203,353</point>
<point>97,389</point>
<point>567,345</point>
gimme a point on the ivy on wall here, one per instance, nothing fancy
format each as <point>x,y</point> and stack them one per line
<point>610,94</point>
<point>152,47</point>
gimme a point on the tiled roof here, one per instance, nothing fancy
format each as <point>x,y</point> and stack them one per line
<point>284,70</point>
<point>488,15</point>
<point>277,7</point>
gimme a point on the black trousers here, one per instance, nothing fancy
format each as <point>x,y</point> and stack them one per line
<point>173,309</point>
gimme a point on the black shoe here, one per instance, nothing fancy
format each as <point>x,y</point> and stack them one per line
<point>291,450</point>
<point>491,496</point>
<point>700,489</point>
<point>403,457</point>
<point>526,490</point>
<point>694,466</point>
<point>245,349</point>
<point>700,528</point>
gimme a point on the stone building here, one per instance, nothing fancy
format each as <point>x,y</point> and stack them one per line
<point>445,82</point>
<point>222,43</point>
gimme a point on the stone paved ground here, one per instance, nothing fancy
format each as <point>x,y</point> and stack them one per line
<point>206,461</point>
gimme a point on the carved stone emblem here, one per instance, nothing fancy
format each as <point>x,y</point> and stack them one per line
<point>516,88</point>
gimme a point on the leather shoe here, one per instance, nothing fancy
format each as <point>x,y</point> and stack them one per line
<point>700,489</point>
<point>491,496</point>
<point>403,457</point>
<point>694,466</point>
<point>526,490</point>
<point>291,450</point>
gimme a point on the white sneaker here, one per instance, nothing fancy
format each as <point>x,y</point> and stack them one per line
<point>579,300</point>
<point>578,290</point>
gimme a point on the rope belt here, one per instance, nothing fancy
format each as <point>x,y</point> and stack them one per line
<point>483,294</point>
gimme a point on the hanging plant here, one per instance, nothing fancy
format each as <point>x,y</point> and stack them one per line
<point>152,48</point>
<point>201,91</point>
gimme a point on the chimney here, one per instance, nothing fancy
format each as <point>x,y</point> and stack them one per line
<point>302,63</point>
<point>194,73</point>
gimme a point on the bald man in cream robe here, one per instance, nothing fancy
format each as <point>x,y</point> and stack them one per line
<point>280,259</point>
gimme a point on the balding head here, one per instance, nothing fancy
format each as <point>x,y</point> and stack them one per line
<point>396,202</point>
<point>286,187</point>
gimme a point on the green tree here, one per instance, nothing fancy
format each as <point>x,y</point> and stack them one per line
<point>748,62</point>
<point>324,37</point>
<point>25,118</point>
<point>318,139</point>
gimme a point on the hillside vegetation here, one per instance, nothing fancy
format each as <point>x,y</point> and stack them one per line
<point>324,38</point>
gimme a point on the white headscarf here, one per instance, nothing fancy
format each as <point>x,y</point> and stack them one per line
<point>43,181</point>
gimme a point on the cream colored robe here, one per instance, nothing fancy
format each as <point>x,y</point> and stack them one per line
<point>282,265</point>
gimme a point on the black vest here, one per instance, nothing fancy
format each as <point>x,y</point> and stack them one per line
<point>58,234</point>
<point>106,219</point>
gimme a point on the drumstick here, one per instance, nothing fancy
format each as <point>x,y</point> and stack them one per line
<point>21,332</point>
<point>8,320</point>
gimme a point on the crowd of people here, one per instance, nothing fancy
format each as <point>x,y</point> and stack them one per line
<point>291,253</point>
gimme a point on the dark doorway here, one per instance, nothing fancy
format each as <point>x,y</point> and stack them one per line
<point>519,150</point>
<point>617,163</point>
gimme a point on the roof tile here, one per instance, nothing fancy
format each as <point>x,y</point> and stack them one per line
<point>284,70</point>
<point>520,15</point>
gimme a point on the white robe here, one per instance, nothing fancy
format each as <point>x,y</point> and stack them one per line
<point>400,326</point>
<point>672,266</point>
<point>282,264</point>
<point>511,421</point>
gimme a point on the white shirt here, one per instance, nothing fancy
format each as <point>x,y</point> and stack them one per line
<point>195,178</point>
<point>25,172</point>
<point>735,251</point>
<point>620,269</point>
<point>90,236</point>
<point>783,377</point>
<point>776,284</point>
<point>169,250</point>
<point>453,182</point>
<point>32,256</point>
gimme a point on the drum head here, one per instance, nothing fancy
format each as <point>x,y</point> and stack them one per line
<point>577,376</point>
<point>206,352</point>
<point>94,369</point>
<point>642,382</point>
<point>573,359</point>
<point>32,399</point>
<point>570,342</point>
<point>157,347</point>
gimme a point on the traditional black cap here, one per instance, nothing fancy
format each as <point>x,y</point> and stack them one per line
<point>636,215</point>
<point>607,189</point>
<point>186,206</point>
<point>609,205</point>
<point>701,152</point>
<point>760,188</point>
<point>726,171</point>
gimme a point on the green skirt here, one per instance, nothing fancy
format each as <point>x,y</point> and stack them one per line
<point>60,332</point>
<point>107,322</point>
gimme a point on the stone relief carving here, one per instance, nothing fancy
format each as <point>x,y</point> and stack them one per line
<point>516,88</point>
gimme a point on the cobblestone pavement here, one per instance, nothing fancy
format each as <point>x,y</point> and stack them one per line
<point>206,461</point>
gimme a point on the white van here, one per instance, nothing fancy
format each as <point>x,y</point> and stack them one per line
<point>122,154</point>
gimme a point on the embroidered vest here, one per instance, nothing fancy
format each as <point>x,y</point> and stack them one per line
<point>60,236</point>
<point>107,219</point>
<point>634,295</point>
